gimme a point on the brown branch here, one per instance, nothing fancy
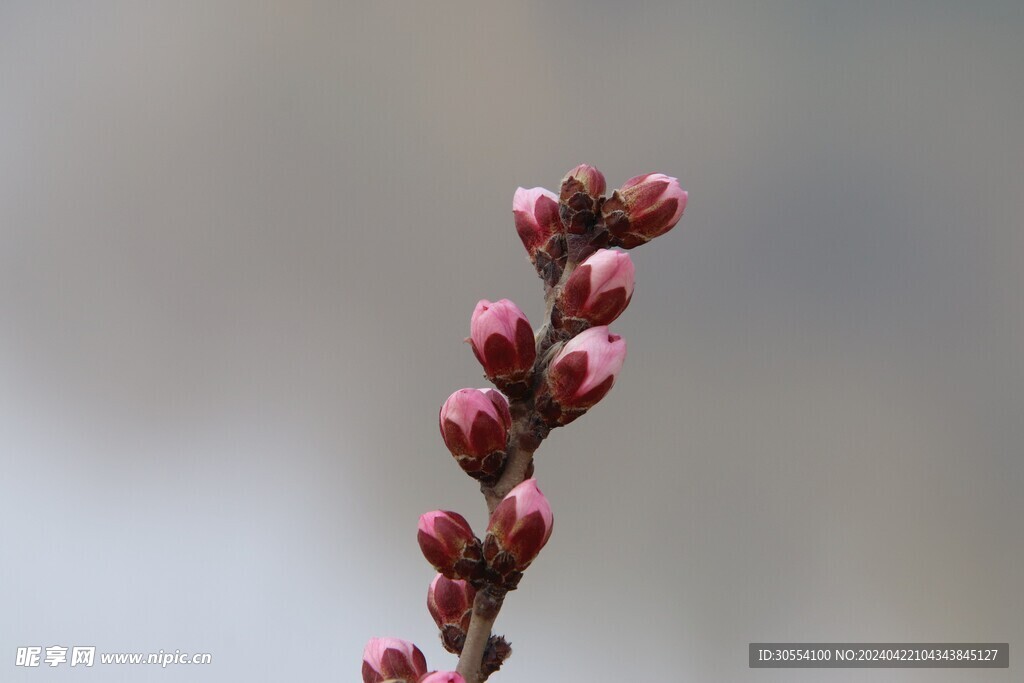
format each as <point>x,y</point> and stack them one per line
<point>486,606</point>
<point>525,436</point>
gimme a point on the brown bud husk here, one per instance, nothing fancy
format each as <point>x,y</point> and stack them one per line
<point>580,199</point>
<point>497,651</point>
<point>501,566</point>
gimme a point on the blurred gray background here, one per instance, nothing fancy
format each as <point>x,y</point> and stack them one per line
<point>240,244</point>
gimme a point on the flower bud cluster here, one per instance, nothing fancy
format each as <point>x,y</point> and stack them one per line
<point>519,527</point>
<point>574,239</point>
<point>645,207</point>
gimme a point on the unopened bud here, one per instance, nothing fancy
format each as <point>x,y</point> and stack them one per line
<point>540,227</point>
<point>536,215</point>
<point>443,677</point>
<point>392,659</point>
<point>597,292</point>
<point>645,207</point>
<point>584,178</point>
<point>519,527</point>
<point>580,198</point>
<point>580,375</point>
<point>503,342</point>
<point>474,425</point>
<point>448,543</point>
<point>450,603</point>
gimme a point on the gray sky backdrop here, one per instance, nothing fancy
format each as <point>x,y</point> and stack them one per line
<point>240,243</point>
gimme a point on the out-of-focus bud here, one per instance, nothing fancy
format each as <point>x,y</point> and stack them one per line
<point>580,374</point>
<point>520,526</point>
<point>597,292</point>
<point>502,341</point>
<point>392,659</point>
<point>450,603</point>
<point>443,677</point>
<point>474,426</point>
<point>448,543</point>
<point>645,207</point>
<point>580,198</point>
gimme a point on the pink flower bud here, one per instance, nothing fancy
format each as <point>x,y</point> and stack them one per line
<point>580,374</point>
<point>502,341</point>
<point>443,677</point>
<point>587,178</point>
<point>579,198</point>
<point>474,426</point>
<point>645,207</point>
<point>520,526</point>
<point>390,658</point>
<point>450,603</point>
<point>536,215</point>
<point>448,543</point>
<point>597,292</point>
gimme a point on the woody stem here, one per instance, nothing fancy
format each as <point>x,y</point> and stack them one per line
<point>523,441</point>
